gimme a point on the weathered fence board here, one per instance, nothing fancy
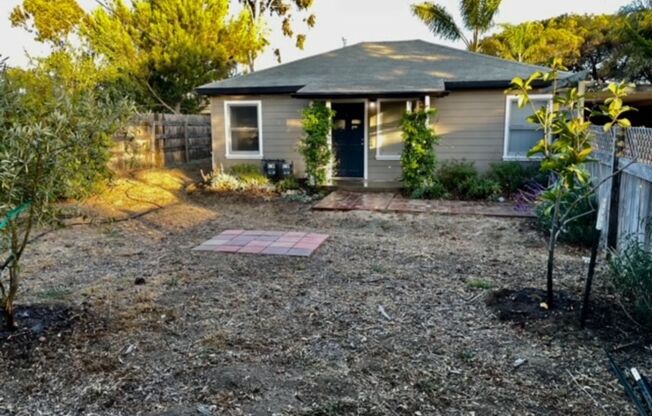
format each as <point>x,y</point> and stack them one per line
<point>635,202</point>
<point>159,140</point>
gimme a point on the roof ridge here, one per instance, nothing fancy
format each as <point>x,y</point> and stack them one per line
<point>388,41</point>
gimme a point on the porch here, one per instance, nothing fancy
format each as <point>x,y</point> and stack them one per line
<point>366,140</point>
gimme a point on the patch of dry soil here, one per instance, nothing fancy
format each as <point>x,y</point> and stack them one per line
<point>219,334</point>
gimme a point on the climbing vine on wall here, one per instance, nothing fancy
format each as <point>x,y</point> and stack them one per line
<point>314,147</point>
<point>419,158</point>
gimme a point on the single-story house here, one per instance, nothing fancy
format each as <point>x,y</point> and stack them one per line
<point>369,86</point>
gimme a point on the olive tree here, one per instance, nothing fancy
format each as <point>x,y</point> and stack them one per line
<point>54,143</point>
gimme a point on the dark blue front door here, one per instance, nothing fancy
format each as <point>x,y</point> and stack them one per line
<point>348,139</point>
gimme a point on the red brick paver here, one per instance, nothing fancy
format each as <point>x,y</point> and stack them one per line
<point>389,202</point>
<point>275,243</point>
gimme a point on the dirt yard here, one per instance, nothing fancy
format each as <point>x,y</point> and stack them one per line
<point>388,317</point>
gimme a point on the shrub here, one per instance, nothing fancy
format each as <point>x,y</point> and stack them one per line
<point>481,188</point>
<point>245,169</point>
<point>430,189</point>
<point>317,124</point>
<point>290,183</point>
<point>511,176</point>
<point>250,176</point>
<point>240,178</point>
<point>631,278</point>
<point>223,182</point>
<point>419,159</point>
<point>461,180</point>
<point>455,176</point>
<point>55,142</point>
<point>580,231</point>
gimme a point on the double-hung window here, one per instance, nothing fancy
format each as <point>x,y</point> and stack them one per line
<point>244,133</point>
<point>520,134</point>
<point>389,135</point>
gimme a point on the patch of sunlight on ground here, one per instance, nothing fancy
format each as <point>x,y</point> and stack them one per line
<point>144,191</point>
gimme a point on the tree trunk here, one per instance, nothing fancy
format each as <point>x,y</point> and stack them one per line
<point>8,306</point>
<point>552,243</point>
<point>255,10</point>
<point>10,315</point>
<point>589,278</point>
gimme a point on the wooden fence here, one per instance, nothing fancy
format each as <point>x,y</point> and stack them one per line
<point>160,140</point>
<point>633,156</point>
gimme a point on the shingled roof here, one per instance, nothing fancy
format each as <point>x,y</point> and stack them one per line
<point>378,68</point>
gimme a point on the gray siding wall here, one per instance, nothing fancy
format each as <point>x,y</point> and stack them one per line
<point>471,125</point>
<point>281,129</point>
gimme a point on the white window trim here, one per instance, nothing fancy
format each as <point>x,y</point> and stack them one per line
<point>508,113</point>
<point>227,125</point>
<point>379,123</point>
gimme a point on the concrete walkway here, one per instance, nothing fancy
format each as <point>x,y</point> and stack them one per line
<point>393,202</point>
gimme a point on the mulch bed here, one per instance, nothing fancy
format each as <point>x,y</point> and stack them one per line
<point>524,305</point>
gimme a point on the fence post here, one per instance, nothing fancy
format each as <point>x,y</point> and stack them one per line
<point>159,137</point>
<point>152,144</point>
<point>185,138</point>
<point>614,202</point>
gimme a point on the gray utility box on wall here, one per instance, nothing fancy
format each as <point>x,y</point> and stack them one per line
<point>277,169</point>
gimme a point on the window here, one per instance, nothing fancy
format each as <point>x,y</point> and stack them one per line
<point>521,135</point>
<point>244,137</point>
<point>389,136</point>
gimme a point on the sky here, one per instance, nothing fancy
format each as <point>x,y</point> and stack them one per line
<point>354,20</point>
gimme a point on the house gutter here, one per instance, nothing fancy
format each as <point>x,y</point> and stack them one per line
<point>289,89</point>
<point>476,85</point>
<point>294,90</point>
<point>371,95</point>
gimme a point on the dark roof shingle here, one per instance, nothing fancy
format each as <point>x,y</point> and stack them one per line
<point>379,68</point>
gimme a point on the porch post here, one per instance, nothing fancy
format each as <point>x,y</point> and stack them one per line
<point>329,177</point>
<point>427,105</point>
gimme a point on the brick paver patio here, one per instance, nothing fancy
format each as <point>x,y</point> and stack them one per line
<point>391,202</point>
<point>278,243</point>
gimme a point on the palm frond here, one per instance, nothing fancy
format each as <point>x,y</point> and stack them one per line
<point>479,15</point>
<point>438,20</point>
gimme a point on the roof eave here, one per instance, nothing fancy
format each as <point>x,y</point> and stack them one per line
<point>503,84</point>
<point>368,95</point>
<point>216,91</point>
<point>472,85</point>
